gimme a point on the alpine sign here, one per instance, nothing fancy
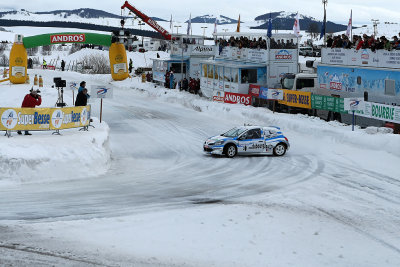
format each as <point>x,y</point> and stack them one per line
<point>99,91</point>
<point>354,104</point>
<point>275,94</point>
<point>67,38</point>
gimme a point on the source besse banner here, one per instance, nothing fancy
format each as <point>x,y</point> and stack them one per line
<point>43,119</point>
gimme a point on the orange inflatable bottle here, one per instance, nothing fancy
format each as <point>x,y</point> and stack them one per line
<point>40,81</point>
<point>18,61</point>
<point>35,80</point>
<point>118,62</point>
<point>27,81</point>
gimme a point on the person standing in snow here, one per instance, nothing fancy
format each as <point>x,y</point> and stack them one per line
<point>82,86</point>
<point>130,66</point>
<point>171,80</point>
<point>44,64</point>
<point>82,97</point>
<point>62,65</point>
<point>31,101</point>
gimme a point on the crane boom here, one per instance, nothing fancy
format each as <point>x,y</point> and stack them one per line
<point>152,23</point>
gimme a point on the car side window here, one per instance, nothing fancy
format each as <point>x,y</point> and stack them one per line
<point>254,134</point>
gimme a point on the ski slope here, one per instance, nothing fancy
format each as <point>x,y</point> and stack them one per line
<point>151,197</point>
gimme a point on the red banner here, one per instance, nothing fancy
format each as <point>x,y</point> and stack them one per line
<point>233,98</point>
<point>254,90</point>
<point>67,38</point>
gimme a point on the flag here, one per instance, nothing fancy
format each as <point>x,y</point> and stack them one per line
<point>238,25</point>
<point>323,28</point>
<point>350,25</point>
<point>269,33</point>
<point>296,26</point>
<point>170,24</point>
<point>215,25</point>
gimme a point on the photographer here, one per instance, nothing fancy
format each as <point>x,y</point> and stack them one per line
<point>31,101</point>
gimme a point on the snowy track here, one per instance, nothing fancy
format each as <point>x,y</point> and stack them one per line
<point>325,183</point>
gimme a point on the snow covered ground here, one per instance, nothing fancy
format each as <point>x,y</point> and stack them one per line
<point>157,200</point>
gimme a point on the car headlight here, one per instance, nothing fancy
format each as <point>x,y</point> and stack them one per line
<point>218,143</point>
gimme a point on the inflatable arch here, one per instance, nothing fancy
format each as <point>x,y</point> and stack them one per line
<point>19,59</point>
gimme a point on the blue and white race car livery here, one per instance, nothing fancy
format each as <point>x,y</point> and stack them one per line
<point>245,140</point>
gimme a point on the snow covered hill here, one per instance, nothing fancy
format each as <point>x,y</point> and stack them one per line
<point>210,19</point>
<point>284,21</point>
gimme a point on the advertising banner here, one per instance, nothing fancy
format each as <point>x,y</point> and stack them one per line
<point>233,98</point>
<point>264,93</point>
<point>218,96</point>
<point>159,76</point>
<point>354,104</point>
<point>381,112</point>
<point>296,99</point>
<point>101,91</point>
<point>66,118</point>
<point>329,103</point>
<point>73,86</point>
<point>257,55</point>
<point>275,94</point>
<point>254,90</point>
<point>42,119</point>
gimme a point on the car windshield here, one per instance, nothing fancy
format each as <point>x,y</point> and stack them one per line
<point>234,132</point>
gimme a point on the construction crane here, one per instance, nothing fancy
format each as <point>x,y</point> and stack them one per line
<point>152,23</point>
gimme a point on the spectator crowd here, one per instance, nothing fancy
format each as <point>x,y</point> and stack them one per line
<point>260,43</point>
<point>364,42</point>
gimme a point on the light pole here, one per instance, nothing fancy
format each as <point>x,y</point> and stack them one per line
<point>177,28</point>
<point>325,2</point>
<point>140,25</point>
<point>375,23</point>
<point>204,30</point>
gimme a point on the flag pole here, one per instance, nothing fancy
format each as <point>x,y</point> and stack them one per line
<point>351,27</point>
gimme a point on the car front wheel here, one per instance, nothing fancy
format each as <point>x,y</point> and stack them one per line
<point>280,150</point>
<point>230,151</point>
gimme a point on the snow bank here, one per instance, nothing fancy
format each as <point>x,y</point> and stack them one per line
<point>43,156</point>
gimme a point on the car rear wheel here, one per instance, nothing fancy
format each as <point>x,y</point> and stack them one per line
<point>280,150</point>
<point>230,151</point>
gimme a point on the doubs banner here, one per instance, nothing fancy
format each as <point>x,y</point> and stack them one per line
<point>233,98</point>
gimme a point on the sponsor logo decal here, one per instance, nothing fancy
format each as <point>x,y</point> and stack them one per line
<point>57,118</point>
<point>9,118</point>
<point>335,83</point>
<point>283,55</point>
<point>67,38</point>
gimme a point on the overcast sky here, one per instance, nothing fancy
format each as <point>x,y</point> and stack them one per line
<point>337,10</point>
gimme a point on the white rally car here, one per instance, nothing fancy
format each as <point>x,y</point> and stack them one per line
<point>247,140</point>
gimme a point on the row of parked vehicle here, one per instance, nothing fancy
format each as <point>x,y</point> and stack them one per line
<point>309,51</point>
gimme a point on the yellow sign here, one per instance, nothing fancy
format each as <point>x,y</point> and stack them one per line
<point>42,119</point>
<point>296,99</point>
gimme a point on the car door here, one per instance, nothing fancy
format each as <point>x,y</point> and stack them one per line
<point>270,141</point>
<point>252,142</point>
